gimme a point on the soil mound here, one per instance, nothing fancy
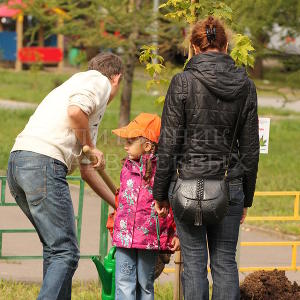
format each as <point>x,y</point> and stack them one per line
<point>269,285</point>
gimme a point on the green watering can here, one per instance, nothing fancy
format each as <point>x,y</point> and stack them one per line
<point>107,274</point>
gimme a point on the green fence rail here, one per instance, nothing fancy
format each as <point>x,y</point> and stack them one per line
<point>78,217</point>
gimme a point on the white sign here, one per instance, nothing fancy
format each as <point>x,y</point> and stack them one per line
<point>264,132</point>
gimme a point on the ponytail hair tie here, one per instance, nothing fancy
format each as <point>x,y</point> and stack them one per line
<point>211,34</point>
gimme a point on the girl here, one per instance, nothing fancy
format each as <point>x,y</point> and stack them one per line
<point>138,232</point>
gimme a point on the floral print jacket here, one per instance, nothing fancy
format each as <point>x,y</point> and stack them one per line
<point>136,224</point>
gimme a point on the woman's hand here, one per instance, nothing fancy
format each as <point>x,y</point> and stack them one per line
<point>175,243</point>
<point>162,208</point>
<point>244,215</point>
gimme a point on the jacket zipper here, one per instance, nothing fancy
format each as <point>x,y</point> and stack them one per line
<point>141,177</point>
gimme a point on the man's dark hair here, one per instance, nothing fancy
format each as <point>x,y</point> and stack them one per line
<point>107,64</point>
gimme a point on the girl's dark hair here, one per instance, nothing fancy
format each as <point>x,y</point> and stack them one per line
<point>149,170</point>
<point>107,64</point>
<point>209,34</point>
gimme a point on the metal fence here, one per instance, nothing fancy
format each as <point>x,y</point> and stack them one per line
<point>78,217</point>
<point>294,244</point>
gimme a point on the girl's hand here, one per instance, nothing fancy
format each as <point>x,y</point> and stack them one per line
<point>244,215</point>
<point>175,243</point>
<point>162,208</point>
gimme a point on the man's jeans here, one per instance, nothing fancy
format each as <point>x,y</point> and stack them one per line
<point>221,240</point>
<point>38,184</point>
<point>135,274</point>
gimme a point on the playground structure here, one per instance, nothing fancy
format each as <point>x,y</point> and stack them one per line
<point>49,51</point>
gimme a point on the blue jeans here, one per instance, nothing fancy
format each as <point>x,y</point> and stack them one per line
<point>38,184</point>
<point>135,274</point>
<point>221,240</point>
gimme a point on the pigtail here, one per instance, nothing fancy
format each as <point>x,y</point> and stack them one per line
<point>149,169</point>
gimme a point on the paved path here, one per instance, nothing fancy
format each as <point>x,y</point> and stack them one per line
<point>10,104</point>
<point>278,102</point>
<point>28,244</point>
<point>275,101</point>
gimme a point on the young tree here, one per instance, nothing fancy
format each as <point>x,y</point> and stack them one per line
<point>191,11</point>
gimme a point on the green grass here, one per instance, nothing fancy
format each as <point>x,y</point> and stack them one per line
<point>279,171</point>
<point>280,83</point>
<point>28,86</point>
<point>12,122</point>
<point>282,78</point>
<point>12,290</point>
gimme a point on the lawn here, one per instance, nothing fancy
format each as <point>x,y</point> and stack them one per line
<point>278,171</point>
<point>280,83</point>
<point>28,86</point>
<point>11,290</point>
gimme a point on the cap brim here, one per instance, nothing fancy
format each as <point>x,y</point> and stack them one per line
<point>127,132</point>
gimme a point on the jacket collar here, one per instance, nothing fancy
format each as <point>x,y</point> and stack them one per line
<point>139,166</point>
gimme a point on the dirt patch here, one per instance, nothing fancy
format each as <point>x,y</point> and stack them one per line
<point>269,285</point>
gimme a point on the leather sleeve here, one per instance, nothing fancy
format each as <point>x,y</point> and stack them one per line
<point>249,145</point>
<point>171,136</point>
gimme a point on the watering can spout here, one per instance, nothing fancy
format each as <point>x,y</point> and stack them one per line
<point>106,273</point>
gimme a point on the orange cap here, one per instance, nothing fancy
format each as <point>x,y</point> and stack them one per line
<point>146,125</point>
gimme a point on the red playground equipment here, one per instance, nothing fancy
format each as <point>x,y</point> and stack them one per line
<point>27,55</point>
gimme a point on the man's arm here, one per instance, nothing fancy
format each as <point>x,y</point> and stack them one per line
<point>94,180</point>
<point>79,122</point>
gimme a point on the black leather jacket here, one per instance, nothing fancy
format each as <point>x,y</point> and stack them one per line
<point>198,121</point>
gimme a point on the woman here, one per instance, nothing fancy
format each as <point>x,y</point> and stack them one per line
<point>198,123</point>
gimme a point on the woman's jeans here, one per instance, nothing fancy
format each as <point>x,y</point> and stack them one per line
<point>135,274</point>
<point>221,240</point>
<point>38,184</point>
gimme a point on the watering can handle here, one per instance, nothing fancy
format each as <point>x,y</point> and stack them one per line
<point>87,151</point>
<point>112,252</point>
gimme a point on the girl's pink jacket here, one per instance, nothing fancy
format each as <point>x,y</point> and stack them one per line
<point>135,223</point>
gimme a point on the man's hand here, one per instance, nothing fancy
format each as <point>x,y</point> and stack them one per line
<point>162,208</point>
<point>97,158</point>
<point>244,215</point>
<point>175,243</point>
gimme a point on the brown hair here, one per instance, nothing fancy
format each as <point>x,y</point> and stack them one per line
<point>149,170</point>
<point>209,34</point>
<point>107,64</point>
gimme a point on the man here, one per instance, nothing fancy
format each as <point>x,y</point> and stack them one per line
<point>47,149</point>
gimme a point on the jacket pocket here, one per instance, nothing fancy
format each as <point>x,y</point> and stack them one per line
<point>33,181</point>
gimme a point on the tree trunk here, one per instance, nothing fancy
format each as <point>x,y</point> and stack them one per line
<point>258,71</point>
<point>130,59</point>
<point>125,105</point>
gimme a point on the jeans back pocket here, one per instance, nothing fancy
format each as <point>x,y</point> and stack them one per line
<point>33,181</point>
